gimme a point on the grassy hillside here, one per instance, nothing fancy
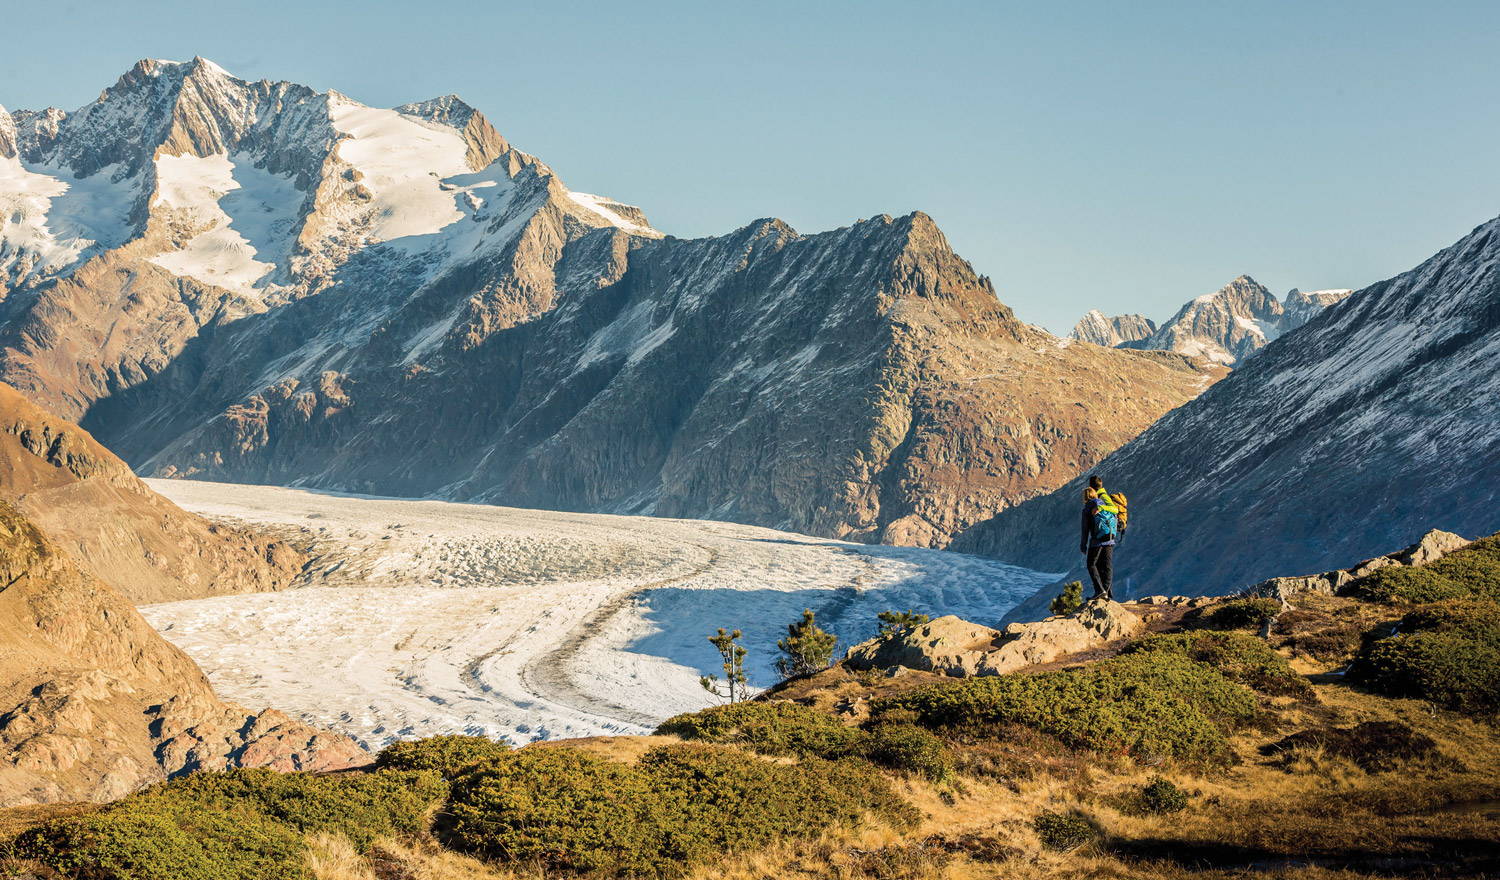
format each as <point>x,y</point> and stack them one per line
<point>1329,749</point>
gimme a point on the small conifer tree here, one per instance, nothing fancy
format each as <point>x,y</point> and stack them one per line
<point>806,648</point>
<point>894,624</point>
<point>1069,601</point>
<point>734,667</point>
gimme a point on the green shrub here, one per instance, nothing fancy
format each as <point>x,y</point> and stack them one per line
<point>1147,706</point>
<point>1068,601</point>
<point>1063,831</point>
<point>768,728</point>
<point>910,748</point>
<point>1238,656</point>
<point>1448,653</point>
<point>246,824</point>
<point>680,806</point>
<point>1242,613</point>
<point>1161,797</point>
<point>806,648</point>
<point>1373,745</point>
<point>1470,573</point>
<point>448,756</point>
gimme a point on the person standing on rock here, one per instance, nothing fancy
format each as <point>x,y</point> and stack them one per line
<point>1098,543</point>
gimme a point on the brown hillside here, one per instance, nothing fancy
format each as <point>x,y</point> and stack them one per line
<point>87,501</point>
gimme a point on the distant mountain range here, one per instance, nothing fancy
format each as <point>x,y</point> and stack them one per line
<point>256,281</point>
<point>1356,433</point>
<point>1226,327</point>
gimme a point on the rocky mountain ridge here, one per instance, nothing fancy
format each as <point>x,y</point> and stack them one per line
<point>305,290</point>
<point>1226,327</point>
<point>1365,426</point>
<point>1112,332</point>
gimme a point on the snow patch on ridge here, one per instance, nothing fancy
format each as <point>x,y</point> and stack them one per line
<point>253,216</point>
<point>50,222</point>
<point>403,162</point>
<point>600,206</point>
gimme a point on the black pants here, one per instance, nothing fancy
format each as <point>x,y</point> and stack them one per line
<point>1101,564</point>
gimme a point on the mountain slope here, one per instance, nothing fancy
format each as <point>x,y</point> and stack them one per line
<point>113,526</point>
<point>1357,432</point>
<point>399,302</point>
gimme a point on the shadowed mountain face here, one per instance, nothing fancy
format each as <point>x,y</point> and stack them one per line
<point>300,289</point>
<point>1358,432</point>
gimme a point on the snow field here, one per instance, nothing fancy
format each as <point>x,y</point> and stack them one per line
<point>427,617</point>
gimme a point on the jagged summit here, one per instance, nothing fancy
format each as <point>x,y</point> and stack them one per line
<point>1112,332</point>
<point>1226,327</point>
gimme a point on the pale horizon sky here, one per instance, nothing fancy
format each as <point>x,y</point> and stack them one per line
<point>1125,157</point>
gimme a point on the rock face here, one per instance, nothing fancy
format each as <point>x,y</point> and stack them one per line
<point>111,525</point>
<point>94,704</point>
<point>1224,327</point>
<point>295,287</point>
<point>950,646</point>
<point>1112,332</point>
<point>1346,437</point>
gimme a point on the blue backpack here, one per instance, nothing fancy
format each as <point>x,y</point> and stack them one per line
<point>1106,522</point>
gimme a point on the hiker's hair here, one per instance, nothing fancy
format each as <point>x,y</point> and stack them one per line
<point>1089,494</point>
<point>1096,482</point>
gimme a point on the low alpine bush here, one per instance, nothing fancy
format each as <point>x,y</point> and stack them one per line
<point>1242,613</point>
<point>768,728</point>
<point>910,748</point>
<point>1238,656</point>
<point>1063,831</point>
<point>1447,653</point>
<point>239,825</point>
<point>679,806</point>
<point>1160,797</point>
<point>1470,573</point>
<point>1160,705</point>
<point>448,756</point>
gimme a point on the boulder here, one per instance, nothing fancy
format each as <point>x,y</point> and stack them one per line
<point>1434,546</point>
<point>951,646</point>
<point>948,646</point>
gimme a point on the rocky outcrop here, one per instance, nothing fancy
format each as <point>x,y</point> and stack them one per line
<point>89,502</point>
<point>1431,547</point>
<point>1345,438</point>
<point>92,699</point>
<point>950,646</point>
<point>1112,332</point>
<point>863,383</point>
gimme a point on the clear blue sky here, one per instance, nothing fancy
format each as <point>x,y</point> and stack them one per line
<point>1114,155</point>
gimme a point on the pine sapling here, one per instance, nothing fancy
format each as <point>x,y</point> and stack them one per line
<point>806,648</point>
<point>734,668</point>
<point>1069,601</point>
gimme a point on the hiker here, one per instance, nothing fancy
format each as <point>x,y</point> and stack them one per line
<point>1098,542</point>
